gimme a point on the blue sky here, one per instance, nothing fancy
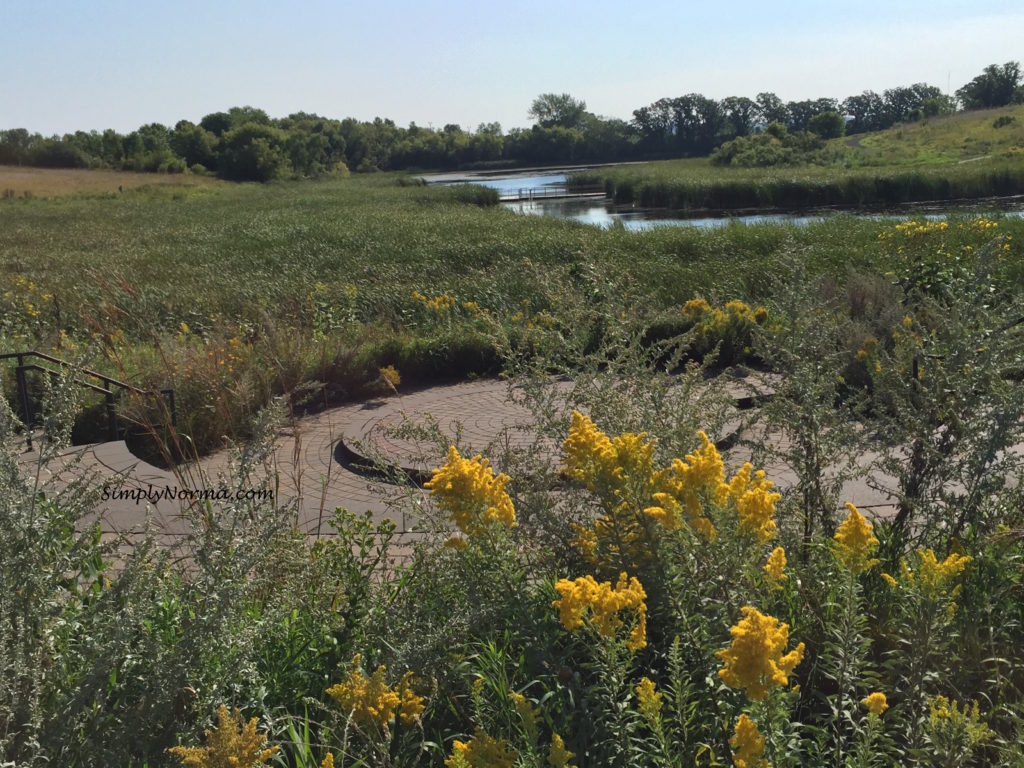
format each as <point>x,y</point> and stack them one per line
<point>94,64</point>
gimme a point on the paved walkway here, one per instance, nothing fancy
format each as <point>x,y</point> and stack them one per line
<point>318,464</point>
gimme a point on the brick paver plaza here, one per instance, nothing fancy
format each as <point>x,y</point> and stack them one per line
<point>309,469</point>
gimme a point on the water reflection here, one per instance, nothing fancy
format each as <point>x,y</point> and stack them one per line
<point>605,215</point>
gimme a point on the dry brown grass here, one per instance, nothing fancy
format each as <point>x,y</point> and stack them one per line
<point>19,182</point>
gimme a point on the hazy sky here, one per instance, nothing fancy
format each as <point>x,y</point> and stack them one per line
<point>94,64</point>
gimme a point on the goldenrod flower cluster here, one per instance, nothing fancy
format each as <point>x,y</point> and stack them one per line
<point>696,309</point>
<point>867,348</point>
<point>26,297</point>
<point>933,577</point>
<point>755,660</point>
<point>620,470</point>
<point>600,605</point>
<point>603,463</point>
<point>558,755</point>
<point>648,699</point>
<point>755,502</point>
<point>775,568</point>
<point>372,702</point>
<point>911,229</point>
<point>232,743</point>
<point>955,724</point>
<point>731,324</point>
<point>980,224</point>
<point>700,474</point>
<point>389,374</point>
<point>481,751</point>
<point>470,492</point>
<point>735,312</point>
<point>439,304</point>
<point>747,744</point>
<point>875,703</point>
<point>855,542</point>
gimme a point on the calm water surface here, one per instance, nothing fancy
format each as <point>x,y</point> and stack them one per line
<point>602,213</point>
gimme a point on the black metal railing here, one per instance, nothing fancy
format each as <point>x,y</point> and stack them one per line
<point>526,194</point>
<point>106,387</point>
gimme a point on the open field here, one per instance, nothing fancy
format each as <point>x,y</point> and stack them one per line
<point>26,182</point>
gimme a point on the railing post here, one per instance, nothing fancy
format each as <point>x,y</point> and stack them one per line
<point>26,410</point>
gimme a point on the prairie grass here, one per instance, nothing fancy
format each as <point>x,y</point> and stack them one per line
<point>25,182</point>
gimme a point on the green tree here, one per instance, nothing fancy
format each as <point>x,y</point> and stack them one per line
<point>867,111</point>
<point>771,109</point>
<point>254,152</point>
<point>741,114</point>
<point>557,109</point>
<point>827,125</point>
<point>995,87</point>
<point>194,144</point>
<point>14,145</point>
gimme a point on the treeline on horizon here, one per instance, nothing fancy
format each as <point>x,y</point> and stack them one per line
<point>246,144</point>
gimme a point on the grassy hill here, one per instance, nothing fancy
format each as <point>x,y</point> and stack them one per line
<point>958,138</point>
<point>965,156</point>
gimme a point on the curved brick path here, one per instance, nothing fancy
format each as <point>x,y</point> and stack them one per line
<point>310,469</point>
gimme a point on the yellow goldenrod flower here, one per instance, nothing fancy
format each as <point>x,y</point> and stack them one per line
<point>371,701</point>
<point>695,309</point>
<point>951,723</point>
<point>328,761</point>
<point>855,542</point>
<point>875,703</point>
<point>527,713</point>
<point>558,755</point>
<point>648,699</point>
<point>755,502</point>
<point>481,751</point>
<point>755,660</point>
<point>700,474</point>
<point>441,304</point>
<point>747,744</point>
<point>602,463</point>
<point>232,742</point>
<point>600,605</point>
<point>469,491</point>
<point>775,568</point>
<point>390,376</point>
<point>934,577</point>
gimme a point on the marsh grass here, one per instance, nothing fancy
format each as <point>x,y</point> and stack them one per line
<point>233,294</point>
<point>696,185</point>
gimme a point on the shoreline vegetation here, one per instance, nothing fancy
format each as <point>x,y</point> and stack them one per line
<point>689,186</point>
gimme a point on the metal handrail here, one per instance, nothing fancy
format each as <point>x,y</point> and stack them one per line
<point>109,382</point>
<point>539,193</point>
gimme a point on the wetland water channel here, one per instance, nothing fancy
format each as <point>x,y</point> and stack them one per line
<point>601,212</point>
